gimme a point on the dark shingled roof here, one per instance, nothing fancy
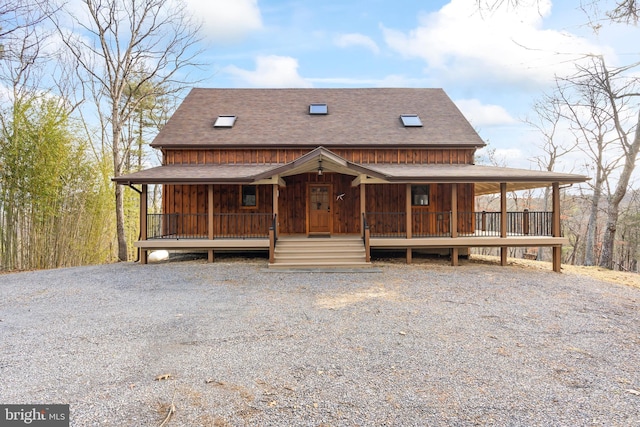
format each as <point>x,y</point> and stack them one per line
<point>280,118</point>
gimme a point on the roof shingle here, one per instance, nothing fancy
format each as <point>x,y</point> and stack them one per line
<point>280,118</point>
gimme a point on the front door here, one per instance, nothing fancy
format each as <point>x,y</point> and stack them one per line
<point>319,208</point>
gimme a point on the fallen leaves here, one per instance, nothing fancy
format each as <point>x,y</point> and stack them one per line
<point>163,377</point>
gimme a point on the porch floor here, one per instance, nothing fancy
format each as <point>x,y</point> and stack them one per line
<point>229,244</point>
<point>466,241</point>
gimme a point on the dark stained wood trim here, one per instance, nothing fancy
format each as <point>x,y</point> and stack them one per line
<point>407,210</point>
<point>363,206</point>
<point>557,251</point>
<point>143,222</point>
<point>503,222</point>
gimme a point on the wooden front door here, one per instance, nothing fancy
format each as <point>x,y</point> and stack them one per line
<point>319,208</point>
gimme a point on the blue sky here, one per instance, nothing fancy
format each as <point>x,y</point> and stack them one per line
<point>494,65</point>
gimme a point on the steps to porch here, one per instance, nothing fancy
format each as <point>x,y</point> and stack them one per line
<point>302,252</point>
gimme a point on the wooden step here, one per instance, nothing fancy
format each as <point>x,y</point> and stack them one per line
<point>299,252</point>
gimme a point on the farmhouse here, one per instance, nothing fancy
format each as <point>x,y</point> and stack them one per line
<point>320,177</point>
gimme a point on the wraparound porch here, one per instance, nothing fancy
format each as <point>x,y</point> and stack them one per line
<point>448,230</point>
<point>446,220</point>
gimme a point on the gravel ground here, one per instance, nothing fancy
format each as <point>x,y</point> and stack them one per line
<point>409,345</point>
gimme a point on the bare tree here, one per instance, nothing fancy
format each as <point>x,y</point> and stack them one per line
<point>610,90</point>
<point>547,120</point>
<point>625,11</point>
<point>16,15</point>
<point>113,41</point>
<point>597,99</point>
<point>586,110</point>
<point>618,89</point>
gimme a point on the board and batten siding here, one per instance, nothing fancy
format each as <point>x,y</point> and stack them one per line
<point>191,201</point>
<point>293,198</point>
<point>356,155</point>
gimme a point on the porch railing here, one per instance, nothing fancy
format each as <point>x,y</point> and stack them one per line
<point>195,226</point>
<point>431,224</point>
<point>470,224</point>
<point>387,224</point>
<point>177,226</point>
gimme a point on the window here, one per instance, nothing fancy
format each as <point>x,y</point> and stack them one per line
<point>249,196</point>
<point>318,109</point>
<point>224,122</point>
<point>411,120</point>
<point>419,195</point>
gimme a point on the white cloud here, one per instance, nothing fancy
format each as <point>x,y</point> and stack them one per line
<point>509,154</point>
<point>509,157</point>
<point>227,21</point>
<point>507,45</point>
<point>354,39</point>
<point>392,80</point>
<point>271,71</point>
<point>484,114</point>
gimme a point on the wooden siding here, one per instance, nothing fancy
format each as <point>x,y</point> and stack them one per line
<point>191,202</point>
<point>362,156</point>
<point>293,200</point>
<point>426,220</point>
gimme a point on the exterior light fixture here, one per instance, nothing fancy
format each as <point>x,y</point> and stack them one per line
<point>320,167</point>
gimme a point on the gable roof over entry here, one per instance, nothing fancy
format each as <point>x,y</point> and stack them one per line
<point>270,118</point>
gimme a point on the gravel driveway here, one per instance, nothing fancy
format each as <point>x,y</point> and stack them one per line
<point>409,345</point>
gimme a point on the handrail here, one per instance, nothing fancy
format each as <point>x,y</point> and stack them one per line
<point>195,226</point>
<point>469,224</point>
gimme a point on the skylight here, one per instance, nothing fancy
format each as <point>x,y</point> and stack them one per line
<point>318,109</point>
<point>411,120</point>
<point>224,122</point>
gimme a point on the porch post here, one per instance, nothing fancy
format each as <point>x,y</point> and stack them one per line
<point>503,222</point>
<point>409,224</point>
<point>363,206</point>
<point>454,222</point>
<point>365,233</point>
<point>555,227</point>
<point>276,195</point>
<point>143,222</point>
<point>210,225</point>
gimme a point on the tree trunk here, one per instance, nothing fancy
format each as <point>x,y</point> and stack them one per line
<point>631,154</point>
<point>119,189</point>
<point>592,225</point>
<point>606,257</point>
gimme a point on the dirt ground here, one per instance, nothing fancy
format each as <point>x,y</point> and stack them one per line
<point>618,277</point>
